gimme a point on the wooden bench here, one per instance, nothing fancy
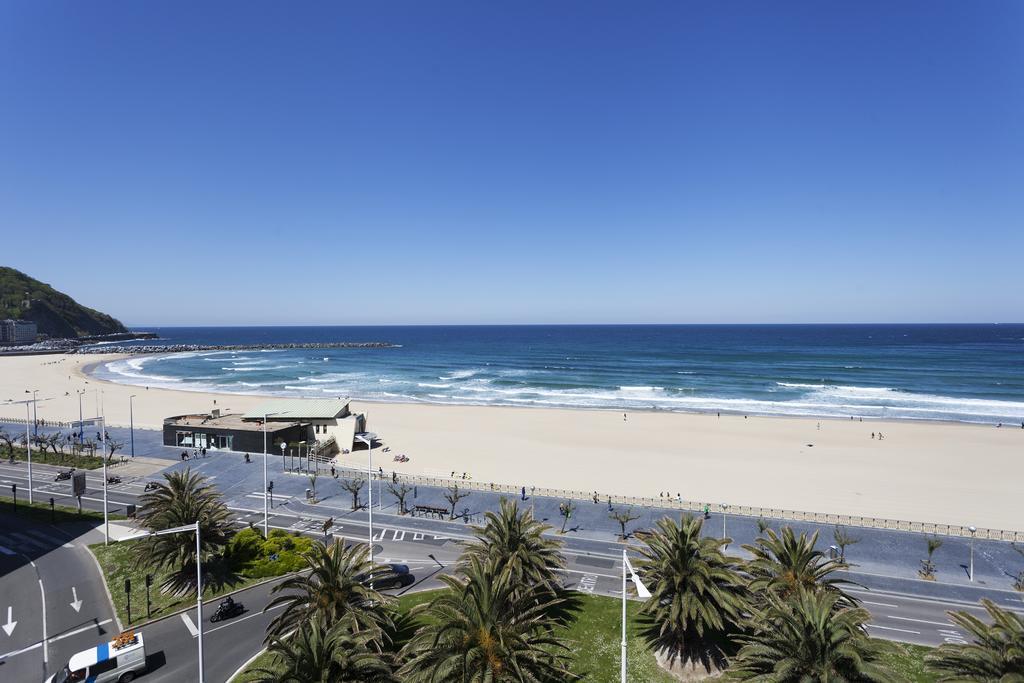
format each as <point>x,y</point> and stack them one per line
<point>425,510</point>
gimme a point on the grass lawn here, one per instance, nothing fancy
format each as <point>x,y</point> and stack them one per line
<point>908,662</point>
<point>40,510</point>
<point>118,563</point>
<point>594,640</point>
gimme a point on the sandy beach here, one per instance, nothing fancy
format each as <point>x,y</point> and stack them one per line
<point>931,472</point>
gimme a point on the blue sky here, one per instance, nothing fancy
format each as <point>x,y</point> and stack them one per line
<point>464,162</point>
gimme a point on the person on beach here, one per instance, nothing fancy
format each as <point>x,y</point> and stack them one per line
<point>623,417</point>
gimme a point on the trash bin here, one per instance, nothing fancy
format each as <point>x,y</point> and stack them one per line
<point>309,494</point>
<point>833,552</point>
<point>129,511</point>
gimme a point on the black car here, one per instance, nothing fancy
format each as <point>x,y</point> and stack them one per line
<point>387,576</point>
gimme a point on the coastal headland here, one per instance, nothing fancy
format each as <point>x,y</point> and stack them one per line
<point>921,471</point>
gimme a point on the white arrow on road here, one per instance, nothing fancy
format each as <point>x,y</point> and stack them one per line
<point>76,604</point>
<point>9,626</point>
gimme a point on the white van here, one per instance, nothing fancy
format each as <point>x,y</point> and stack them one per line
<point>106,662</point>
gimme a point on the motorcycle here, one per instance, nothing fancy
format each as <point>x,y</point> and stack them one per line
<point>226,609</point>
<point>151,486</point>
<point>64,474</point>
<point>114,479</point>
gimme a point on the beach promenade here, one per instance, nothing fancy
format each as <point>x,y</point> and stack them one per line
<point>927,472</point>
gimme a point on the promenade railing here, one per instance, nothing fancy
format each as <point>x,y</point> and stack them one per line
<point>347,472</point>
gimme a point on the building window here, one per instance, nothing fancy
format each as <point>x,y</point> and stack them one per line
<point>184,439</point>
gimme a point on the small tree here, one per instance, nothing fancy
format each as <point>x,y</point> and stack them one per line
<point>453,497</point>
<point>312,484</point>
<point>113,447</point>
<point>7,440</point>
<point>56,443</point>
<point>927,570</point>
<point>353,486</point>
<point>624,517</point>
<point>400,491</point>
<point>566,509</point>
<point>843,539</point>
<point>763,525</point>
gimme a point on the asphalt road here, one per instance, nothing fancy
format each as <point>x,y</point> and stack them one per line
<point>902,609</point>
<point>52,599</point>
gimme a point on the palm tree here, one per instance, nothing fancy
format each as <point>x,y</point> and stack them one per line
<point>334,589</point>
<point>809,636</point>
<point>927,570</point>
<point>484,628</point>
<point>784,563</point>
<point>515,540</point>
<point>997,653</point>
<point>697,598</point>
<point>318,654</point>
<point>181,499</point>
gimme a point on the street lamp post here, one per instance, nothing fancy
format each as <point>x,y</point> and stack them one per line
<point>81,429</point>
<point>641,590</point>
<point>131,423</point>
<point>266,492</point>
<point>35,412</point>
<point>188,528</point>
<point>369,489</point>
<point>973,531</point>
<point>283,466</point>
<point>28,441</point>
<point>103,451</point>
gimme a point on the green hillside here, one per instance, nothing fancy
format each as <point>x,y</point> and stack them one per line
<point>56,313</point>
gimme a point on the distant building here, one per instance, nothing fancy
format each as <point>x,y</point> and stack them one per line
<point>17,331</point>
<point>326,425</point>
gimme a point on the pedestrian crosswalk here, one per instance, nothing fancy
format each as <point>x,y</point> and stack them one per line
<point>28,541</point>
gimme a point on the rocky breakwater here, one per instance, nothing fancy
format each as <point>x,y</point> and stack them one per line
<point>139,349</point>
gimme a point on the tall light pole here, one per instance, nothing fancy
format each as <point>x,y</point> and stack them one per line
<point>28,440</point>
<point>103,452</point>
<point>35,412</point>
<point>81,429</point>
<point>724,508</point>
<point>973,531</point>
<point>641,590</point>
<point>131,423</point>
<point>369,488</point>
<point>188,528</point>
<point>266,492</point>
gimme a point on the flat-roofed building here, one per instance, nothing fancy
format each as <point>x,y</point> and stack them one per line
<point>18,331</point>
<point>230,432</point>
<point>331,424</point>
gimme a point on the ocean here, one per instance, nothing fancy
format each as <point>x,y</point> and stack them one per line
<point>964,373</point>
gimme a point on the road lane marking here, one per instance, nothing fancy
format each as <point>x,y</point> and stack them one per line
<point>238,621</point>
<point>14,653</point>
<point>880,604</point>
<point>920,621</point>
<point>890,628</point>
<point>189,624</point>
<point>46,651</point>
<point>80,630</point>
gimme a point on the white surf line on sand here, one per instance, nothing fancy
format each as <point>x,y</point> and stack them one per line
<point>189,624</point>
